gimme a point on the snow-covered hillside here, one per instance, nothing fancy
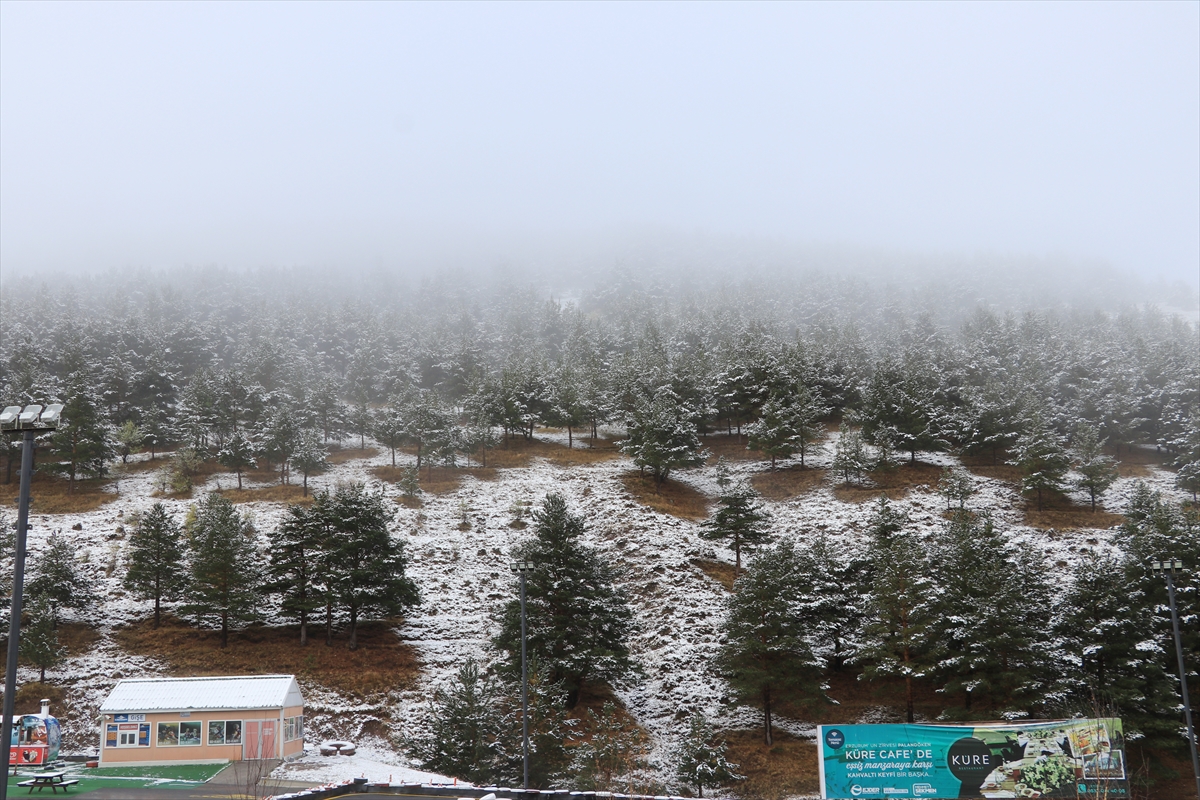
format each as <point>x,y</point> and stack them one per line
<point>464,579</point>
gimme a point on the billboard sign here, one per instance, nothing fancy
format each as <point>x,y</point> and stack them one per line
<point>1066,758</point>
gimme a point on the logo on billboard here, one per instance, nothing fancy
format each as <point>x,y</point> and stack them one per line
<point>920,789</point>
<point>835,738</point>
<point>858,791</point>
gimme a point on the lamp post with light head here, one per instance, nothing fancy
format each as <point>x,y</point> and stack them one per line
<point>1168,569</point>
<point>521,568</point>
<point>27,423</point>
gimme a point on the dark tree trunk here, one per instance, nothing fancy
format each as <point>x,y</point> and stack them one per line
<point>329,623</point>
<point>224,629</point>
<point>306,484</point>
<point>568,437</point>
<point>303,628</point>
<point>353,627</point>
<point>157,610</point>
<point>239,474</point>
<point>766,696</point>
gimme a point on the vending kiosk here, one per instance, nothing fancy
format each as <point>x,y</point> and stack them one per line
<point>35,739</point>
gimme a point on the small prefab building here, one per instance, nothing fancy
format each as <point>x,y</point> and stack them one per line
<point>147,721</point>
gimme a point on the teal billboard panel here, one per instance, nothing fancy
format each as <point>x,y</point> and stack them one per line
<point>1065,758</point>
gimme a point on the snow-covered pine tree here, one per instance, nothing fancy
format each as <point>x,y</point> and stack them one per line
<point>129,438</point>
<point>549,731</point>
<point>774,433</point>
<point>579,622</point>
<point>1187,459</point>
<point>850,458</point>
<point>1103,627</point>
<point>57,575</point>
<point>1097,471</point>
<point>613,754</point>
<point>390,428</point>
<point>831,604</point>
<point>900,604</point>
<point>40,646</point>
<point>766,656</point>
<point>82,445</point>
<point>1042,457</point>
<point>238,454</point>
<point>223,565</point>
<point>738,521</point>
<point>280,438</point>
<point>662,435</point>
<point>464,728</point>
<point>366,563</point>
<point>991,630</point>
<point>900,399</point>
<point>699,760</point>
<point>155,556</point>
<point>299,546</point>
<point>310,456</point>
<point>956,485</point>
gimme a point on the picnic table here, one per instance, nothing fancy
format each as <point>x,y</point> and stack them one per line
<point>51,780</point>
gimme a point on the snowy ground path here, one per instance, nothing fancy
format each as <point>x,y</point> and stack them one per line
<point>465,581</point>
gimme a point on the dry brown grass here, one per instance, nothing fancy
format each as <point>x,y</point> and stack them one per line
<point>343,454</point>
<point>28,699</point>
<point>279,493</point>
<point>895,483</point>
<point>983,466</point>
<point>382,662</point>
<point>49,494</point>
<point>77,638</point>
<point>671,497</point>
<point>787,768</point>
<point>719,571</point>
<point>732,448</point>
<point>784,484</point>
<point>1061,514</point>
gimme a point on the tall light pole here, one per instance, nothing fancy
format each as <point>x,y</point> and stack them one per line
<point>27,422</point>
<point>1168,570</point>
<point>521,568</point>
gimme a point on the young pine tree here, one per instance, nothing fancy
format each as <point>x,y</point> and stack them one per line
<point>776,433</point>
<point>1042,458</point>
<point>57,576</point>
<point>238,454</point>
<point>699,763</point>
<point>465,728</point>
<point>224,565</point>
<point>738,521</point>
<point>766,656</point>
<point>850,458</point>
<point>579,622</point>
<point>39,638</point>
<point>1097,471</point>
<point>310,456</point>
<point>611,757</point>
<point>156,569</point>
<point>663,436</point>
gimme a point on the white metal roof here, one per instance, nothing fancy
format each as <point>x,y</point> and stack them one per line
<point>182,694</point>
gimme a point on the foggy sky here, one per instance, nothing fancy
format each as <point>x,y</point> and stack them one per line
<point>378,135</point>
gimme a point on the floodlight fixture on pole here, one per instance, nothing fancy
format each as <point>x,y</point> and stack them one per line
<point>1167,569</point>
<point>521,568</point>
<point>26,422</point>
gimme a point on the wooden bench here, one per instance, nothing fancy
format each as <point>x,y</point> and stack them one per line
<point>53,786</point>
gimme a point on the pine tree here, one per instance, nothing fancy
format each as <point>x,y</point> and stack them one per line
<point>465,728</point>
<point>776,433</point>
<point>1187,460</point>
<point>766,656</point>
<point>156,569</point>
<point>129,438</point>
<point>899,607</point>
<point>81,444</point>
<point>1103,629</point>
<point>224,565</point>
<point>956,485</point>
<point>850,459</point>
<point>389,428</point>
<point>700,764</point>
<point>549,731</point>
<point>1042,458</point>
<point>40,646</point>
<point>613,753</point>
<point>298,550</point>
<point>56,575</point>
<point>1097,471</point>
<point>662,436</point>
<point>579,622</point>
<point>740,521</point>
<point>367,565</point>
<point>900,399</point>
<point>280,438</point>
<point>238,454</point>
<point>831,602</point>
<point>992,622</point>
<point>310,456</point>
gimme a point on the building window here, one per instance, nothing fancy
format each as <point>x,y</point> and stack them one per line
<point>293,728</point>
<point>182,734</point>
<point>225,731</point>
<point>127,735</point>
